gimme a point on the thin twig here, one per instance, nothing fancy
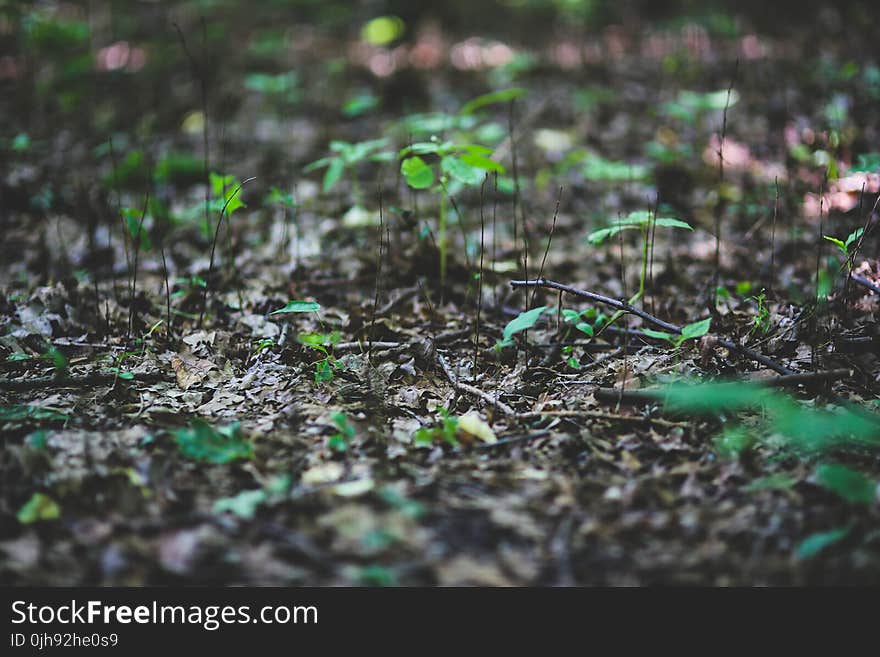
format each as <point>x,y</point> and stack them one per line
<point>85,381</point>
<point>549,241</point>
<point>480,283</point>
<point>378,279</point>
<point>214,246</point>
<point>864,282</point>
<point>471,390</point>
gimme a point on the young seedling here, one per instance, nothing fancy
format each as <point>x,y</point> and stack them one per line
<point>522,322</point>
<point>322,342</point>
<point>225,188</point>
<point>339,441</point>
<point>645,222</point>
<point>319,341</point>
<point>446,432</point>
<point>761,322</point>
<point>442,165</point>
<point>345,157</point>
<point>688,332</point>
<point>289,206</point>
<point>424,163</point>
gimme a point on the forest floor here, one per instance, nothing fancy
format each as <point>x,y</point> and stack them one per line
<point>386,429</point>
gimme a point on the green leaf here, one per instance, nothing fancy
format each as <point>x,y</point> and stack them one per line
<point>318,339</point>
<point>219,183</point>
<point>333,174</point>
<point>867,163</point>
<point>849,484</point>
<point>298,307</point>
<point>244,505</point>
<point>639,219</point>
<point>599,236</point>
<point>21,142</point>
<point>771,482</point>
<point>502,96</point>
<point>318,164</point>
<point>597,168</point>
<point>659,335</point>
<point>522,322</point>
<point>840,244</point>
<point>59,361</point>
<point>583,327</point>
<point>38,507</point>
<point>669,222</point>
<point>482,162</point>
<point>733,441</point>
<point>425,148</point>
<point>853,236</point>
<point>323,371</point>
<point>417,173</point>
<point>696,330</point>
<point>457,169</point>
<point>136,228</point>
<point>360,104</point>
<point>818,542</point>
<point>203,442</point>
<point>19,412</point>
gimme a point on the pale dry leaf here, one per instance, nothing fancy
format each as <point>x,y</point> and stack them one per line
<point>190,370</point>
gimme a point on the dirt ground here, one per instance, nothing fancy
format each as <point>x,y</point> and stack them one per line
<point>161,423</point>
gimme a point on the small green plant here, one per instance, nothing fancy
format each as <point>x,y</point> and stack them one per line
<point>761,321</point>
<point>59,361</point>
<point>246,503</point>
<point>599,169</point>
<point>816,543</point>
<point>446,165</point>
<point>782,424</point>
<point>339,441</point>
<point>297,306</point>
<point>593,167</point>
<point>522,322</point>
<point>346,156</point>
<point>425,162</point>
<point>263,345</point>
<point>844,245</point>
<point>688,332</point>
<point>322,342</point>
<point>643,221</point>
<point>359,104</point>
<point>586,321</point>
<point>690,106</point>
<point>849,484</point>
<point>39,507</point>
<point>867,163</point>
<point>26,412</point>
<point>447,431</point>
<point>202,442</point>
<point>282,88</point>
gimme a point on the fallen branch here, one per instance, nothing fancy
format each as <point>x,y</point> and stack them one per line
<point>648,317</point>
<point>864,282</point>
<point>85,381</point>
<point>471,390</point>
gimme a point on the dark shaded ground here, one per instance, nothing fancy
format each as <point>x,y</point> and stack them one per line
<point>327,478</point>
